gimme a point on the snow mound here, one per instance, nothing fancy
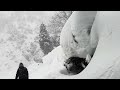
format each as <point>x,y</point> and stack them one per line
<point>74,37</point>
<point>105,33</point>
<point>52,64</point>
<point>55,55</point>
<point>105,63</point>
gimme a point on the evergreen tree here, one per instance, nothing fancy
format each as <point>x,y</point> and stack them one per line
<point>56,24</point>
<point>45,43</point>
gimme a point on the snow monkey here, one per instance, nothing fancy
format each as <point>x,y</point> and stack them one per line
<point>75,65</point>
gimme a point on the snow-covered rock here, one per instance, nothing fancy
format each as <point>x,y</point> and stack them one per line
<point>75,37</point>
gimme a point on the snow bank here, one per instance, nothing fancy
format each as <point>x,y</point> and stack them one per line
<point>74,37</point>
<point>105,63</point>
<point>105,34</point>
<point>52,64</point>
<point>56,54</point>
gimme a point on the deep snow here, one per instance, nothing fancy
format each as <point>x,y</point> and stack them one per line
<point>106,60</point>
<point>105,63</point>
<point>17,30</point>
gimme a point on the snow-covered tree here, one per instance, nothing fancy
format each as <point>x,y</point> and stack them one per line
<point>56,24</point>
<point>45,43</point>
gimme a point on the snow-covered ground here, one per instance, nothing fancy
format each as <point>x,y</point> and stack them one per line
<point>18,30</point>
<point>52,64</point>
<point>105,64</point>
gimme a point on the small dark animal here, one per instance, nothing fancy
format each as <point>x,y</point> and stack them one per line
<point>75,65</point>
<point>22,72</point>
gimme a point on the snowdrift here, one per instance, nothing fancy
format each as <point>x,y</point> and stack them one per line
<point>105,34</point>
<point>77,26</point>
<point>51,66</point>
<point>103,41</point>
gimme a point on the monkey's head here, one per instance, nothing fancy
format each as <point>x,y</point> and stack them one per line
<point>74,65</point>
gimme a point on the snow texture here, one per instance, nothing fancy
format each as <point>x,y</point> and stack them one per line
<point>105,62</point>
<point>105,35</point>
<point>103,39</point>
<point>74,38</point>
<point>18,30</point>
<point>52,64</point>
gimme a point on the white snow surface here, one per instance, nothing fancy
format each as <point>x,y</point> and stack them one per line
<point>77,25</point>
<point>18,30</point>
<point>105,64</point>
<point>52,64</point>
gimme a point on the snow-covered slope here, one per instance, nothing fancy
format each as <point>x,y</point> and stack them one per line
<point>18,40</point>
<point>106,60</point>
<point>105,63</point>
<point>52,64</point>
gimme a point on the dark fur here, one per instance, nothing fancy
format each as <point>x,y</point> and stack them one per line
<point>22,72</point>
<point>75,65</point>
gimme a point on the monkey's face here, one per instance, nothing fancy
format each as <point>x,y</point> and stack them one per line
<point>68,65</point>
<point>74,65</point>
